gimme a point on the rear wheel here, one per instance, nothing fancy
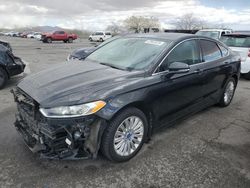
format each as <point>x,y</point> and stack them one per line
<point>90,39</point>
<point>70,40</point>
<point>101,40</point>
<point>3,77</point>
<point>125,135</point>
<point>228,93</point>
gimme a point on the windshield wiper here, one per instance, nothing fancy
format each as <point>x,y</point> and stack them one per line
<point>113,66</point>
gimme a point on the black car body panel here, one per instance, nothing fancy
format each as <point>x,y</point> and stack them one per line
<point>10,63</point>
<point>163,96</point>
<point>6,44</point>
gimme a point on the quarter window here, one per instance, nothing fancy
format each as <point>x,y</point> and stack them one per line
<point>224,51</point>
<point>186,52</point>
<point>210,50</point>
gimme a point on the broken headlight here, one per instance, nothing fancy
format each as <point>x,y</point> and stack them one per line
<point>73,111</point>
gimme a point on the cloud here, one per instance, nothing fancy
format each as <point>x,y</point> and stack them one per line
<point>96,15</point>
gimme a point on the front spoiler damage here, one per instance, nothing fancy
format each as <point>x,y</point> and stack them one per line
<point>69,141</point>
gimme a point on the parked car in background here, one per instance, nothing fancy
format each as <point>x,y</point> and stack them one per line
<point>38,36</point>
<point>100,36</point>
<point>35,35</point>
<point>10,65</point>
<point>82,53</point>
<point>240,42</point>
<point>58,36</point>
<point>122,93</point>
<point>214,33</point>
<point>6,44</point>
<point>24,34</point>
<point>12,34</point>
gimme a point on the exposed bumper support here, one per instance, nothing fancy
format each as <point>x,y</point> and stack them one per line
<point>79,140</point>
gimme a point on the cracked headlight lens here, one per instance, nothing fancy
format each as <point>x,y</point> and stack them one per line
<point>73,111</point>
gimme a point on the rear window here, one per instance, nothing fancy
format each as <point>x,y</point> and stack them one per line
<point>237,41</point>
<point>210,50</point>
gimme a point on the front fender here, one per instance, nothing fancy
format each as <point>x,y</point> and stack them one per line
<point>117,103</point>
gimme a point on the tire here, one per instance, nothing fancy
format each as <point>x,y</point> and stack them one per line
<point>3,77</point>
<point>133,137</point>
<point>49,40</point>
<point>90,39</point>
<point>101,40</point>
<point>70,40</point>
<point>228,93</point>
<point>247,76</point>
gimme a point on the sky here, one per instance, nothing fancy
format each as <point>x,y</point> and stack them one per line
<point>97,14</point>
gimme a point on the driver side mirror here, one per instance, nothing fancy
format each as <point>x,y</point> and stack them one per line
<point>178,68</point>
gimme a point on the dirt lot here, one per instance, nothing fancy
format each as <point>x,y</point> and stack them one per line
<point>209,149</point>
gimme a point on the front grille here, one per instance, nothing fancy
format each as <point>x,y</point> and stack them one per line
<point>25,102</point>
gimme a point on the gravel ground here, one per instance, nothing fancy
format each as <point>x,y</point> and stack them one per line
<point>209,149</point>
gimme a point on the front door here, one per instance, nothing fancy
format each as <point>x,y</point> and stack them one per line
<point>175,93</point>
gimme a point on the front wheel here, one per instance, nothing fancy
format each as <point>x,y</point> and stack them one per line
<point>228,93</point>
<point>49,40</point>
<point>125,135</point>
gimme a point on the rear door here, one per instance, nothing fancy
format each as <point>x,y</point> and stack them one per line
<point>214,69</point>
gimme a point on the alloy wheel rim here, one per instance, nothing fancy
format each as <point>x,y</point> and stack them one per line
<point>229,92</point>
<point>128,136</point>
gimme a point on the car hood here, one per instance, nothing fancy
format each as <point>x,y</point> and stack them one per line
<point>75,83</point>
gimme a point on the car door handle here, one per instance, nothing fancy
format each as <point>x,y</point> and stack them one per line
<point>199,71</point>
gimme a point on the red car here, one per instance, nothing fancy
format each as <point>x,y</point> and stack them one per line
<point>58,36</point>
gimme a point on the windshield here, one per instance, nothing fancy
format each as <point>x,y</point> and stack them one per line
<point>236,41</point>
<point>212,34</point>
<point>129,53</point>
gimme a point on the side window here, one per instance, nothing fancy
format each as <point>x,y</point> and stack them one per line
<point>107,33</point>
<point>210,50</point>
<point>224,50</point>
<point>186,52</point>
<point>61,32</point>
<point>56,32</point>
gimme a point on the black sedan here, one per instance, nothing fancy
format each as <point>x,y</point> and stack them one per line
<point>122,93</point>
<point>10,65</point>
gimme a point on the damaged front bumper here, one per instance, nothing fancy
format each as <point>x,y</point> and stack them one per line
<point>71,138</point>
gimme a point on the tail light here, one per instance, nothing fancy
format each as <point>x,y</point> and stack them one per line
<point>248,53</point>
